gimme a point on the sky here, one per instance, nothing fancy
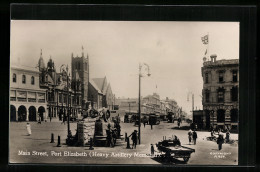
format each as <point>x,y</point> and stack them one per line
<point>173,51</point>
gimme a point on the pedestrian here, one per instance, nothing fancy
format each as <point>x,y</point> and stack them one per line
<point>227,136</point>
<point>152,150</point>
<point>109,138</point>
<point>151,126</point>
<point>28,127</point>
<point>190,135</point>
<point>220,141</point>
<point>212,133</point>
<point>144,124</point>
<point>134,139</point>
<point>194,136</point>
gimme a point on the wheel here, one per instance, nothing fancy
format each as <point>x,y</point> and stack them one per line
<point>186,159</point>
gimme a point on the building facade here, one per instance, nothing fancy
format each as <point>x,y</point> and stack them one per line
<point>220,93</point>
<point>95,95</point>
<point>27,100</point>
<point>108,98</point>
<point>80,72</point>
<point>63,93</point>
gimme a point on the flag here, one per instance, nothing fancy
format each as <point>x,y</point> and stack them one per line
<point>205,39</point>
<point>206,51</point>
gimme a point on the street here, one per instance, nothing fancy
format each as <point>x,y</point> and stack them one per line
<point>38,149</point>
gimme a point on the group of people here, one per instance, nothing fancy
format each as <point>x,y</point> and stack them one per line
<point>192,135</point>
<point>221,139</point>
<point>113,134</point>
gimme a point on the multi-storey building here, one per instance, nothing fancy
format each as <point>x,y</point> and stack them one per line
<point>27,99</point>
<point>220,93</point>
<point>80,71</point>
<point>63,94</point>
<point>154,102</point>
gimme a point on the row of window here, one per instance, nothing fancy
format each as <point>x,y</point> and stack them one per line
<point>221,76</point>
<point>23,79</point>
<point>221,93</point>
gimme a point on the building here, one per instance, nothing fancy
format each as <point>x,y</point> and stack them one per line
<point>95,95</point>
<point>108,99</point>
<point>153,103</point>
<point>80,72</point>
<point>63,94</point>
<point>220,93</point>
<point>170,105</point>
<point>27,99</point>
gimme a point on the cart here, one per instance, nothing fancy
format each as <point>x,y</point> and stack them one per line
<point>170,150</point>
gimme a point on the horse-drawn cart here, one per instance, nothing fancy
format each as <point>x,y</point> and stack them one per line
<point>170,150</point>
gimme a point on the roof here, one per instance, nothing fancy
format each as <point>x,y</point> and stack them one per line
<point>26,68</point>
<point>94,85</point>
<point>101,84</point>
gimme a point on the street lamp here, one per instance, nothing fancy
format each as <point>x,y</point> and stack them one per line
<point>139,108</point>
<point>65,70</point>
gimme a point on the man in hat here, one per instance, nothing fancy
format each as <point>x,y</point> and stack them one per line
<point>220,141</point>
<point>134,138</point>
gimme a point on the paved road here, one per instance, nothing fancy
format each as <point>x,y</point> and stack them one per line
<point>206,152</point>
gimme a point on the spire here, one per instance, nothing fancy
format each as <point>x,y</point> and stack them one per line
<point>82,51</point>
<point>41,62</point>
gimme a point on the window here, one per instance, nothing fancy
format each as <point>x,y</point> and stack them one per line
<point>32,80</point>
<point>234,76</point>
<point>221,76</point>
<point>14,77</point>
<point>23,79</point>
<point>206,78</point>
<point>221,95</point>
<point>207,96</point>
<point>234,93</point>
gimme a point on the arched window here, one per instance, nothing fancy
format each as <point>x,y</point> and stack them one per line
<point>32,80</point>
<point>23,79</point>
<point>14,77</point>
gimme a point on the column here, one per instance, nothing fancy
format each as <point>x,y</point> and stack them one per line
<point>27,115</point>
<point>227,119</point>
<point>16,115</point>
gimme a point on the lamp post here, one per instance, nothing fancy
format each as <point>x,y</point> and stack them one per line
<point>65,70</point>
<point>139,97</point>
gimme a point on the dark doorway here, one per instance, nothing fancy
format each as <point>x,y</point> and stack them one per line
<point>221,115</point>
<point>32,113</point>
<point>22,113</point>
<point>12,113</point>
<point>41,110</point>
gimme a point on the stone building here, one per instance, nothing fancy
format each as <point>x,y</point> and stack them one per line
<point>27,99</point>
<point>154,102</point>
<point>95,95</point>
<point>80,72</point>
<point>220,93</point>
<point>108,99</point>
<point>63,93</point>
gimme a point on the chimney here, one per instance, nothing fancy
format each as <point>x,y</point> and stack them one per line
<point>213,57</point>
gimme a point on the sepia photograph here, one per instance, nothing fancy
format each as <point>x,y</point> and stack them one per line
<point>124,92</point>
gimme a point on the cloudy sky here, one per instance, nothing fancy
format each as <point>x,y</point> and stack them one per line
<point>173,50</point>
